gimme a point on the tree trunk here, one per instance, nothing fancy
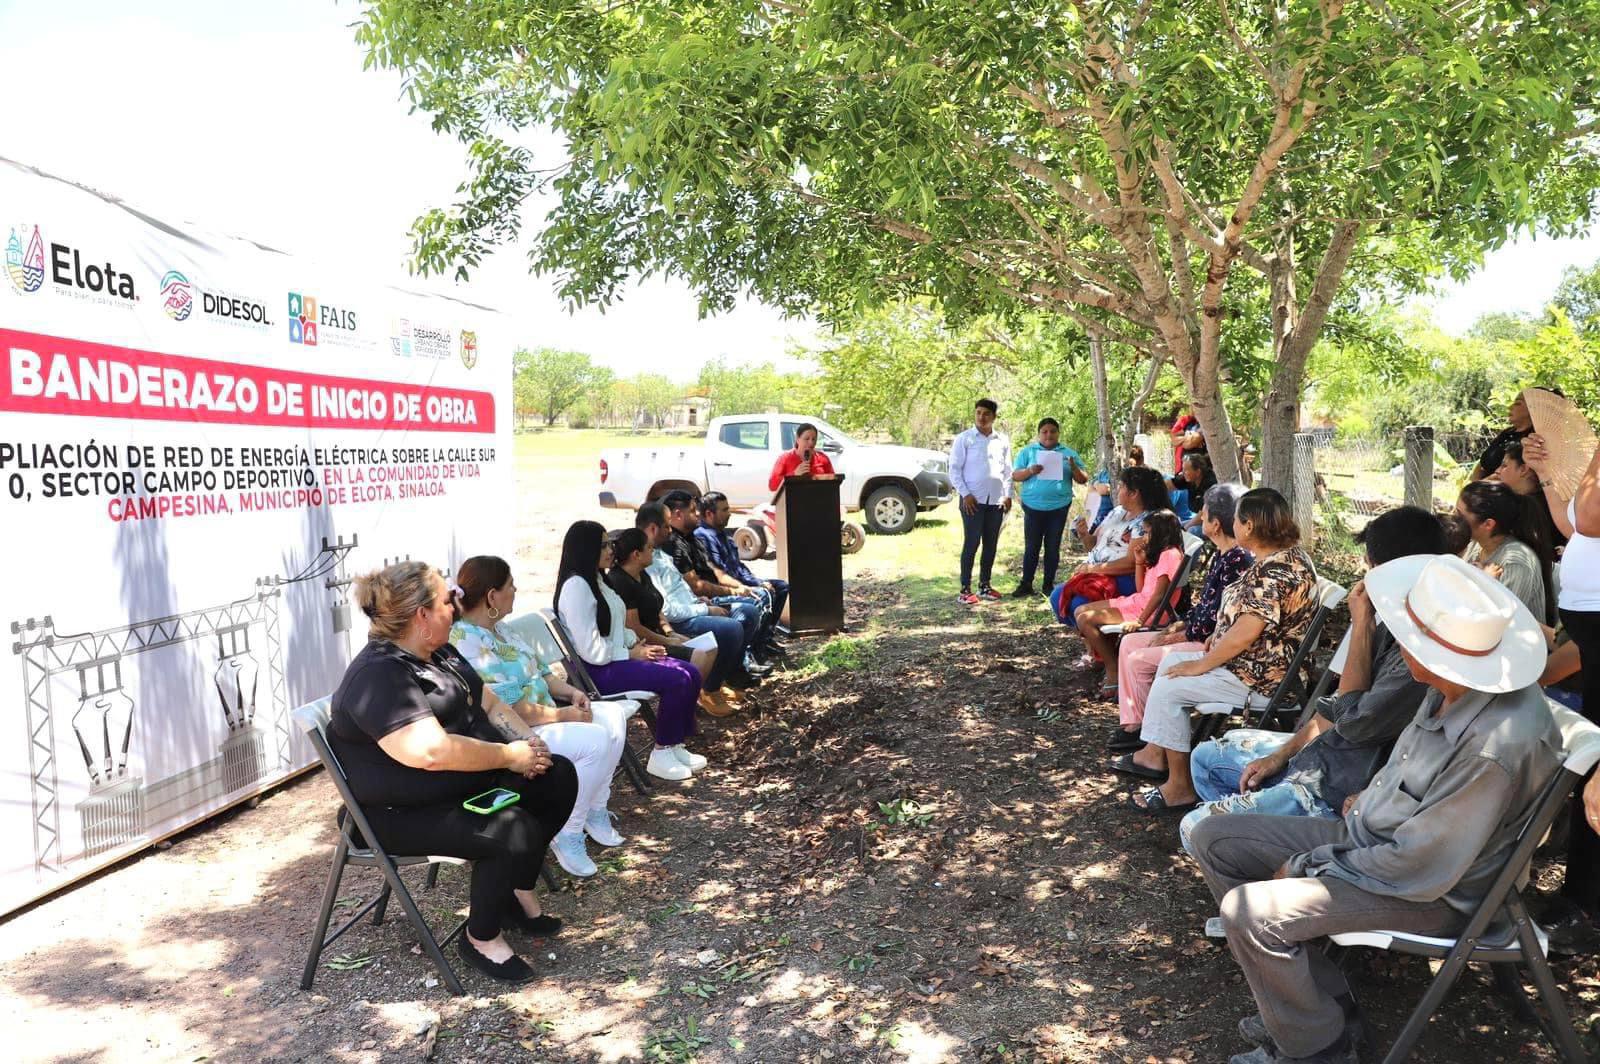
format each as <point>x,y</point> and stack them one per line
<point>1106,444</point>
<point>1280,407</point>
<point>1142,396</point>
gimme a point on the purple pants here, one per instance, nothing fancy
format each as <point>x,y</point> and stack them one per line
<point>677,682</point>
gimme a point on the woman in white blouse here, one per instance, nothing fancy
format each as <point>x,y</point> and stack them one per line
<point>595,618</point>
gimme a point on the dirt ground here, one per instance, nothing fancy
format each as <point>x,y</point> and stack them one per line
<point>906,851</point>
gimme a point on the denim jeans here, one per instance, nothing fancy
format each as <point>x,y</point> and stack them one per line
<point>728,633</point>
<point>983,526</point>
<point>1042,528</point>
<point>752,615</point>
<point>1216,766</point>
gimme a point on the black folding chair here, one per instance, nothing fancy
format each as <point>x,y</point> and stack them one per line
<point>549,634</point>
<point>359,846</point>
<point>1292,693</point>
<point>1500,931</point>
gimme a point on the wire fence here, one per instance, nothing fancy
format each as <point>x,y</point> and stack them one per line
<point>1358,478</point>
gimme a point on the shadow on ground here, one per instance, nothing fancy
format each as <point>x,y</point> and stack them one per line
<point>917,858</point>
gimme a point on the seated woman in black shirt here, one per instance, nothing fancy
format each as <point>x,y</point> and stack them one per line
<point>629,577</point>
<point>411,724</point>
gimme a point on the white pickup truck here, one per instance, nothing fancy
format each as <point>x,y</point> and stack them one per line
<point>890,483</point>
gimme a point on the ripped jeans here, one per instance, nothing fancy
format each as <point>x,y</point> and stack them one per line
<point>1216,766</point>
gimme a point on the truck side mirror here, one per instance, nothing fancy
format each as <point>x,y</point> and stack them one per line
<point>832,447</point>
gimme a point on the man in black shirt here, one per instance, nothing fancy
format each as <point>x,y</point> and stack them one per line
<point>705,579</point>
<point>1520,427</point>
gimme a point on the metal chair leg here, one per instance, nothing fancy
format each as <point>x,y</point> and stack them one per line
<point>329,893</point>
<point>1508,984</point>
<point>433,875</point>
<point>430,945</point>
<point>1560,1026</point>
<point>1438,990</point>
<point>549,877</point>
<point>383,906</point>
<point>635,771</point>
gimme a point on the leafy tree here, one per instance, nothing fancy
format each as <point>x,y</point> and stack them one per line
<point>752,389</point>
<point>1579,297</point>
<point>647,398</point>
<point>1559,354</point>
<point>550,381</point>
<point>1499,326</point>
<point>1183,180</point>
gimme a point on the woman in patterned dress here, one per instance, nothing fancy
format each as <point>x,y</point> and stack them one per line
<point>1263,617</point>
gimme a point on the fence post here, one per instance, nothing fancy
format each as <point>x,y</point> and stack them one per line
<point>1304,493</point>
<point>1419,466</point>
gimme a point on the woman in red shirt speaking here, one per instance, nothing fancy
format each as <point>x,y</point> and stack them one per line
<point>803,461</point>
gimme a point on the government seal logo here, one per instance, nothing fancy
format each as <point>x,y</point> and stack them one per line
<point>25,262</point>
<point>177,297</point>
<point>469,348</point>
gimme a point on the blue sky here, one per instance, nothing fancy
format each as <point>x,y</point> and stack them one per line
<point>256,118</point>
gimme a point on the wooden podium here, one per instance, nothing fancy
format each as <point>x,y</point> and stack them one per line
<point>808,553</point>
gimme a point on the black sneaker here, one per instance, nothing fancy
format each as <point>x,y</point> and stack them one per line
<point>1024,591</point>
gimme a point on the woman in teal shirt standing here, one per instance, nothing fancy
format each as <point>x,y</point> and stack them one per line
<point>1045,500</point>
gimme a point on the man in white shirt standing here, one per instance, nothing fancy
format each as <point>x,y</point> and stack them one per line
<point>980,471</point>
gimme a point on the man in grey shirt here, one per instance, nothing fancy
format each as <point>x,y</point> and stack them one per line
<point>1312,772</point>
<point>1418,848</point>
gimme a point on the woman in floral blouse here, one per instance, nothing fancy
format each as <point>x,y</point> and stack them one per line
<point>591,734</point>
<point>1260,623</point>
<point>1141,653</point>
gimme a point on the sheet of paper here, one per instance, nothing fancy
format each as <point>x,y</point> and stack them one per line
<point>1053,465</point>
<point>703,641</point>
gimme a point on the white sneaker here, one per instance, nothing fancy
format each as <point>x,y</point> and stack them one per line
<point>664,764</point>
<point>572,855</point>
<point>692,762</point>
<point>598,825</point>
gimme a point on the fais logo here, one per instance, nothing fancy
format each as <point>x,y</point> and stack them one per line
<point>26,266</point>
<point>25,261</point>
<point>469,348</point>
<point>309,320</point>
<point>177,297</point>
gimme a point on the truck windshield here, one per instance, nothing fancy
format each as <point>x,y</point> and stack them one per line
<point>825,434</point>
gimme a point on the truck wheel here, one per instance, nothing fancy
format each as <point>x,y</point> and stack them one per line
<point>891,511</point>
<point>851,537</point>
<point>751,541</point>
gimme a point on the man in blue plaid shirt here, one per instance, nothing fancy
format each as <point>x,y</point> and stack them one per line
<point>713,535</point>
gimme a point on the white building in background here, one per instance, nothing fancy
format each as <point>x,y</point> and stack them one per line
<point>690,412</point>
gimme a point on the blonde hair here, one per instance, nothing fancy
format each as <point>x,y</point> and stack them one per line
<point>390,597</point>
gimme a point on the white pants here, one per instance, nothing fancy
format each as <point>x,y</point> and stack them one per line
<point>1166,722</point>
<point>594,750</point>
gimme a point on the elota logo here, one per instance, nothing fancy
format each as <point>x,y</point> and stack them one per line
<point>25,265</point>
<point>177,298</point>
<point>307,318</point>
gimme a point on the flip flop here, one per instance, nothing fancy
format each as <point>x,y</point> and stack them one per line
<point>1129,767</point>
<point>1155,803</point>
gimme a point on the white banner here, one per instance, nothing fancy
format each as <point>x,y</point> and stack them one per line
<point>201,442</point>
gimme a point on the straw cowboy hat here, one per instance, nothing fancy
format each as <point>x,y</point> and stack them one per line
<point>1459,622</point>
<point>1566,434</point>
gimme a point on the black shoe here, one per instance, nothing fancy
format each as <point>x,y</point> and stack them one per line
<point>1121,740</point>
<point>740,680</point>
<point>1024,591</point>
<point>515,970</point>
<point>542,926</point>
<point>754,667</point>
<point>1572,931</point>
